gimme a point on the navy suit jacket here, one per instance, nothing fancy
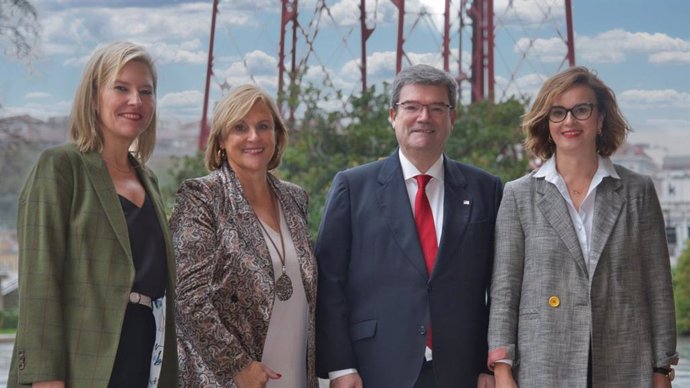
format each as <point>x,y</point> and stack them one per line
<point>375,299</point>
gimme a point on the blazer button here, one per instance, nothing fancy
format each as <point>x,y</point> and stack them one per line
<point>554,301</point>
<point>21,362</point>
<point>234,298</point>
<point>422,330</point>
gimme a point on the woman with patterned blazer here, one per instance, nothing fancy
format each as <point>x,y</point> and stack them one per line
<point>581,294</point>
<point>96,269</point>
<point>247,275</point>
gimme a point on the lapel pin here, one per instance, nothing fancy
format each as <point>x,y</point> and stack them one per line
<point>466,203</point>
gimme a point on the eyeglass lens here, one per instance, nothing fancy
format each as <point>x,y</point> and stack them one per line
<point>580,112</point>
<point>416,107</point>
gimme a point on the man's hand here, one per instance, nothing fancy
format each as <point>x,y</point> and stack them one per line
<point>351,380</point>
<point>255,375</point>
<point>485,381</point>
<point>504,376</point>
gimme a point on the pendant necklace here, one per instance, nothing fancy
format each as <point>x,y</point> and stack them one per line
<point>284,283</point>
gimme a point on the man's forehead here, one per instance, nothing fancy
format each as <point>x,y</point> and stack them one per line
<point>424,90</point>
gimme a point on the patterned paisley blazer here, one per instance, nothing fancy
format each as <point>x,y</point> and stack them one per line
<point>226,280</point>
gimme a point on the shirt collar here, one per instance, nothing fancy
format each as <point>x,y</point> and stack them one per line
<point>410,171</point>
<point>549,172</point>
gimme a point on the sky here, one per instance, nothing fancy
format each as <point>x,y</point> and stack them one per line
<point>641,49</point>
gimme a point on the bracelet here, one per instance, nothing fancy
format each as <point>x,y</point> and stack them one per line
<point>669,372</point>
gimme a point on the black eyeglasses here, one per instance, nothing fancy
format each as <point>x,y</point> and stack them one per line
<point>579,111</point>
<point>415,108</point>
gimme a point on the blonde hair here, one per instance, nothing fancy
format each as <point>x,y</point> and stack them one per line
<point>230,110</point>
<point>101,70</point>
<point>535,123</point>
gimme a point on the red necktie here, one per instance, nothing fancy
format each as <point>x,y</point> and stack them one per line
<point>426,231</point>
<point>424,219</point>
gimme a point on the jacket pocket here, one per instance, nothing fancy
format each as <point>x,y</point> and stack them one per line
<point>362,330</point>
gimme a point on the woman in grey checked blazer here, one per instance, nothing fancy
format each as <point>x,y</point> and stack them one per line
<point>581,292</point>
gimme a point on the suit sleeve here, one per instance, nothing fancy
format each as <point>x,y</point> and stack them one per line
<point>657,274</point>
<point>43,224</point>
<point>193,227</point>
<point>333,345</point>
<point>506,281</point>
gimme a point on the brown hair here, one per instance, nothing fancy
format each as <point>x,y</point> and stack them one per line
<point>102,69</point>
<point>535,123</point>
<point>230,110</point>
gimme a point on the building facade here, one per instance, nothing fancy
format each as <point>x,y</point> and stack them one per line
<point>672,182</point>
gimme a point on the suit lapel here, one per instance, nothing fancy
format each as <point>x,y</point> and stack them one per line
<point>607,209</point>
<point>457,208</point>
<point>107,196</point>
<point>555,210</point>
<point>395,205</point>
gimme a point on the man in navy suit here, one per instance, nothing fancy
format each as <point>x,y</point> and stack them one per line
<point>389,314</point>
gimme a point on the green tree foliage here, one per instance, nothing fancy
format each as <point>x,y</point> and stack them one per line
<point>181,168</point>
<point>681,290</point>
<point>488,136</point>
<point>324,142</point>
<point>17,157</point>
<point>9,318</point>
<point>485,135</point>
<point>327,142</point>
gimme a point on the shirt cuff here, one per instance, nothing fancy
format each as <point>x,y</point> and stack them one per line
<point>339,373</point>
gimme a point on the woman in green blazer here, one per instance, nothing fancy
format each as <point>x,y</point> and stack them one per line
<point>96,269</point>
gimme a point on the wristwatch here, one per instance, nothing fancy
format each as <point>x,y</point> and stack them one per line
<point>669,372</point>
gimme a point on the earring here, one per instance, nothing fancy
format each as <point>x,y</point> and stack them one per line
<point>221,155</point>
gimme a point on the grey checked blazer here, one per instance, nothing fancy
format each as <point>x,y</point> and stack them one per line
<point>628,312</point>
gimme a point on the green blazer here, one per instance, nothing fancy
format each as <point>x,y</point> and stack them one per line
<point>76,272</point>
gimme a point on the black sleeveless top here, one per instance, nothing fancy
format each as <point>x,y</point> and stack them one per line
<point>148,248</point>
<point>133,358</point>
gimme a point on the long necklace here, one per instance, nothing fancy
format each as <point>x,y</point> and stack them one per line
<point>284,283</point>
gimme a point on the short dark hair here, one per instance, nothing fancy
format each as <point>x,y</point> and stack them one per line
<point>424,75</point>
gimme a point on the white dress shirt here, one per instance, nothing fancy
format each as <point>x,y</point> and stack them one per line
<point>435,194</point>
<point>582,218</point>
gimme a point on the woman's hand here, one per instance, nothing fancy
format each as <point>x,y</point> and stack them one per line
<point>255,375</point>
<point>503,373</point>
<point>660,381</point>
<point>49,384</point>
